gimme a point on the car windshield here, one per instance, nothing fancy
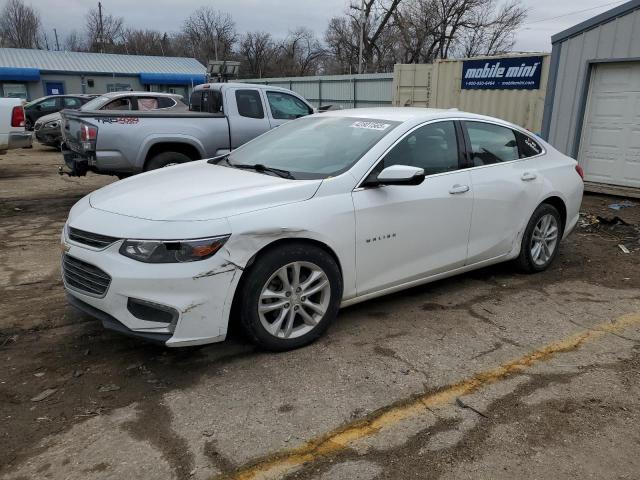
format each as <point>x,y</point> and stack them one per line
<point>313,147</point>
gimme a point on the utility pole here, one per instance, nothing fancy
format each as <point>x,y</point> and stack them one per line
<point>55,32</point>
<point>100,27</point>
<point>46,41</point>
<point>362,20</point>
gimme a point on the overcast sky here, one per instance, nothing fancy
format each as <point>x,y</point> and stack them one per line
<point>278,16</point>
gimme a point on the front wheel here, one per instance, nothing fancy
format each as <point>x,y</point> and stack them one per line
<point>290,297</point>
<point>541,239</point>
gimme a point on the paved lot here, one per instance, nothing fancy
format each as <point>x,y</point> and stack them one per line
<point>493,374</point>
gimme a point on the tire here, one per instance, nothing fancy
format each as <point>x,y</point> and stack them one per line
<point>286,310</point>
<point>536,255</point>
<point>165,159</point>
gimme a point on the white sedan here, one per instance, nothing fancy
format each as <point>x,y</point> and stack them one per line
<point>323,212</point>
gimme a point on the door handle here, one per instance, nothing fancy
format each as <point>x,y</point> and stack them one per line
<point>457,188</point>
<point>528,176</point>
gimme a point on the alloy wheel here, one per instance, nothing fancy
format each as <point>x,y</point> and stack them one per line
<point>544,239</point>
<point>294,300</point>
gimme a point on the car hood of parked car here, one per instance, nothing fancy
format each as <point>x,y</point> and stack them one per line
<point>199,191</point>
<point>48,118</point>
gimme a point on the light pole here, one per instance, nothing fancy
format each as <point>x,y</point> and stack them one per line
<point>362,19</point>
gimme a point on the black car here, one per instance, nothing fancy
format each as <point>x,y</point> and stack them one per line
<point>51,104</point>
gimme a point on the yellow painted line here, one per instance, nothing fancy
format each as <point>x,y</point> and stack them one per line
<point>279,464</point>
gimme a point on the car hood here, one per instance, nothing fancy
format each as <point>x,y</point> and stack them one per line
<point>199,191</point>
<point>48,118</point>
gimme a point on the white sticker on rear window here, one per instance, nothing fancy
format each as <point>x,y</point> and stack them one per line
<point>371,125</point>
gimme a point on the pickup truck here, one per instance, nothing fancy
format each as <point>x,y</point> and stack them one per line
<point>47,128</point>
<point>12,131</point>
<point>221,117</point>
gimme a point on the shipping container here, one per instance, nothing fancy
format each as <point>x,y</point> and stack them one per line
<point>439,85</point>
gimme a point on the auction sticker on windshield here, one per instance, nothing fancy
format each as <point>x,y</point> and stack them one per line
<point>371,125</point>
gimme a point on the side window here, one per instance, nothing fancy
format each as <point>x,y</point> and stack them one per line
<point>48,103</point>
<point>70,102</point>
<point>286,107</point>
<point>147,103</point>
<point>166,102</point>
<point>118,104</point>
<point>491,143</point>
<point>249,103</point>
<point>528,146</point>
<point>433,147</point>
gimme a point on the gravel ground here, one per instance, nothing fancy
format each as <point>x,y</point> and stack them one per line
<point>492,374</point>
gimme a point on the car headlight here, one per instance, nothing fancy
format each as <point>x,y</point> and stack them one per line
<point>52,124</point>
<point>172,251</point>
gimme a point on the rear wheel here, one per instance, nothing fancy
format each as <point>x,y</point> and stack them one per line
<point>290,297</point>
<point>166,159</point>
<point>541,239</point>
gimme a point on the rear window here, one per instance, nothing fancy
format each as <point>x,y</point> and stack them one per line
<point>209,101</point>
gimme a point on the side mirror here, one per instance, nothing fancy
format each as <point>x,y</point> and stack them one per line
<point>399,175</point>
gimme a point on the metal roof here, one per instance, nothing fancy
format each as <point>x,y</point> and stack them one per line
<point>82,62</point>
<point>593,22</point>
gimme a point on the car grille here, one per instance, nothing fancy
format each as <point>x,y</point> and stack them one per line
<point>84,277</point>
<point>92,239</point>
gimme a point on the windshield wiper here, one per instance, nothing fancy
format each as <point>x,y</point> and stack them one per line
<point>258,167</point>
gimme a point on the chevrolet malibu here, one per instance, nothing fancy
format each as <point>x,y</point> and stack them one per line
<point>323,212</point>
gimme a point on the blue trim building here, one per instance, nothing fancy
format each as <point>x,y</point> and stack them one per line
<point>34,73</point>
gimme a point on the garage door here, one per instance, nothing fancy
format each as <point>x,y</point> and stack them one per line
<point>610,146</point>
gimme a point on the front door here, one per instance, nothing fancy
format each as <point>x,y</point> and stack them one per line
<point>54,88</point>
<point>405,233</point>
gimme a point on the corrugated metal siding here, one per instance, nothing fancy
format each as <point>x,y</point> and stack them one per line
<point>614,40</point>
<point>438,85</point>
<point>82,62</point>
<point>346,91</point>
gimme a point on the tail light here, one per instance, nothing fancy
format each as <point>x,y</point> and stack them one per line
<point>88,133</point>
<point>17,117</point>
<point>580,171</point>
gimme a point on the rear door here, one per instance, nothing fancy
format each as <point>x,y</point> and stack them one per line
<point>247,114</point>
<point>284,107</point>
<point>506,188</point>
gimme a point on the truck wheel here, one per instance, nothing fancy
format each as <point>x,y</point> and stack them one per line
<point>165,159</point>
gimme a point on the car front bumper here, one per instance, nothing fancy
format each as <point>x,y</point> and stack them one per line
<point>49,136</point>
<point>199,293</point>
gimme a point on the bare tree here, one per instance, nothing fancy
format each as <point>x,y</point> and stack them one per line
<point>343,36</point>
<point>494,30</point>
<point>107,39</point>
<point>20,26</point>
<point>257,51</point>
<point>300,53</point>
<point>210,34</point>
<point>74,42</point>
<point>145,42</point>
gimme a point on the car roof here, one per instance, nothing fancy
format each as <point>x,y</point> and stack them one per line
<point>411,114</point>
<point>140,94</point>
<point>262,86</point>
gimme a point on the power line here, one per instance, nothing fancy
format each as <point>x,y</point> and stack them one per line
<point>574,12</point>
